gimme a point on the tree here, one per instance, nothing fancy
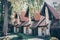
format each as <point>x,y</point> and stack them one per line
<point>58,7</point>
<point>34,5</point>
<point>5,25</point>
<point>1,15</point>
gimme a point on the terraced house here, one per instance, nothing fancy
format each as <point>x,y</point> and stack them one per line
<point>32,18</point>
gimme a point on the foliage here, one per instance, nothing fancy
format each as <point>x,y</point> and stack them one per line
<point>1,14</point>
<point>17,5</point>
<point>58,7</point>
<point>35,5</point>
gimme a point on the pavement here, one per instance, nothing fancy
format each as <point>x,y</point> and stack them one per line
<point>9,36</point>
<point>35,39</point>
